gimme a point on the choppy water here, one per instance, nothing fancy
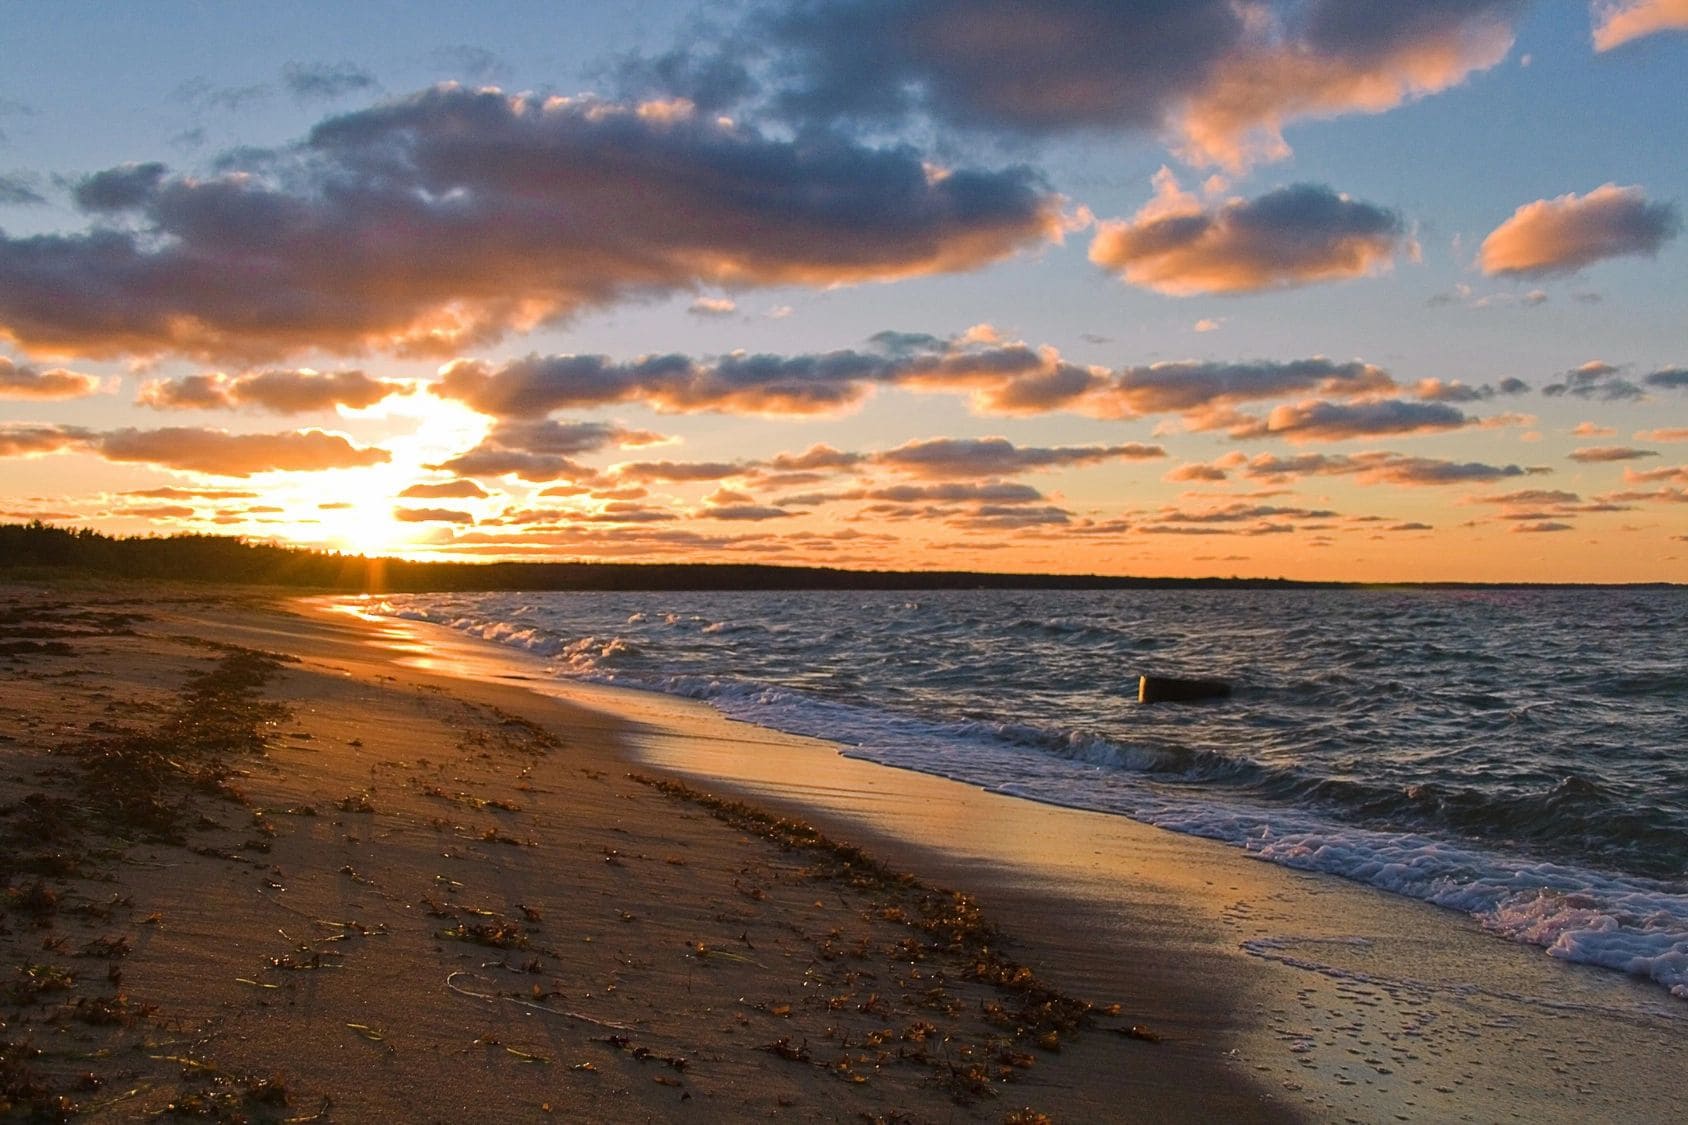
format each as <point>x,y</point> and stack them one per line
<point>1521,755</point>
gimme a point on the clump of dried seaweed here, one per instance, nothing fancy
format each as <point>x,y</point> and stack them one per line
<point>142,784</point>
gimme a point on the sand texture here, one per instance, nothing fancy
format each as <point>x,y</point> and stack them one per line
<point>259,867</point>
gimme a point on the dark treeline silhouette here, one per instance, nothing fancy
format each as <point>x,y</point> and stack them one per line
<point>226,559</point>
<point>37,546</point>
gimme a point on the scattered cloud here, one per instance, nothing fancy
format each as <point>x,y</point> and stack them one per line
<point>1617,22</point>
<point>325,82</point>
<point>278,391</point>
<point>1320,420</point>
<point>432,515</point>
<point>1597,454</point>
<point>1223,78</point>
<point>713,306</point>
<point>1674,474</point>
<point>18,189</point>
<point>445,490</point>
<point>1670,378</point>
<point>1562,235</point>
<point>19,380</point>
<point>939,458</point>
<point>215,452</point>
<point>542,206</point>
<point>1438,390</point>
<point>1597,380</point>
<point>1289,237</point>
<point>1381,468</point>
<point>1528,496</point>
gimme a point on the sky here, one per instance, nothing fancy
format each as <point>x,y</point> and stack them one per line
<point>1315,289</point>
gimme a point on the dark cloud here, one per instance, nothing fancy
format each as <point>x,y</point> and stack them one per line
<point>1195,388</point>
<point>998,457</point>
<point>1293,236</point>
<point>325,82</point>
<point>1381,468</point>
<point>17,189</point>
<point>743,512</point>
<point>484,461</point>
<point>1557,236</point>
<point>993,492</point>
<point>277,391</point>
<point>1530,496</point>
<point>1437,390</point>
<point>1223,78</point>
<point>1598,454</point>
<point>23,381</point>
<point>543,449</point>
<point>119,189</point>
<point>1319,420</point>
<point>454,216</point>
<point>1000,378</point>
<point>1670,378</point>
<point>1240,513</point>
<point>998,64</point>
<point>1594,380</point>
<point>675,472</point>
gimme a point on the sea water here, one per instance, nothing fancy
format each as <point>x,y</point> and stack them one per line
<point>1517,754</point>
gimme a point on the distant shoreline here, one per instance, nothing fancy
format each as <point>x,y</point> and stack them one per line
<point>47,550</point>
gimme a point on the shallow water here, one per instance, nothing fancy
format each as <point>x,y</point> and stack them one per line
<point>1516,754</point>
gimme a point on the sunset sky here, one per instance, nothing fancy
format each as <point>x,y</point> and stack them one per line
<point>1301,288</point>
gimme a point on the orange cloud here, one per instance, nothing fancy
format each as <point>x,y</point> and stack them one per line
<point>1619,21</point>
<point>454,216</point>
<point>1293,236</point>
<point>1562,235</point>
<point>445,490</point>
<point>1342,58</point>
<point>216,452</point>
<point>279,392</point>
<point>22,381</point>
<point>432,515</point>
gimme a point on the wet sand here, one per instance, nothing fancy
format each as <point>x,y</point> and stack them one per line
<point>264,864</point>
<point>430,883</point>
<point>1333,1000</point>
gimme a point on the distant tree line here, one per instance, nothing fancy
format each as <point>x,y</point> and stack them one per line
<point>227,559</point>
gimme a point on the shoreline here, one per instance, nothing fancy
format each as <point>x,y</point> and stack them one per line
<point>1343,999</point>
<point>361,890</point>
<point>431,889</point>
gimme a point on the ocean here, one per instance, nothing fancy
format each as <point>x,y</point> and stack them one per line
<point>1520,755</point>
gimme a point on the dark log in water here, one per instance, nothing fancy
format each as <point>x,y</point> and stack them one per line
<point>1164,689</point>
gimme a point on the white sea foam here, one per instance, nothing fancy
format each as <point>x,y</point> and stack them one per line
<point>891,689</point>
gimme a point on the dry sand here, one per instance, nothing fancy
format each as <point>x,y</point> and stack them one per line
<point>378,876</point>
<point>259,866</point>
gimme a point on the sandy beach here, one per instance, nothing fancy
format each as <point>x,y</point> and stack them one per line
<point>340,887</point>
<point>267,860</point>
